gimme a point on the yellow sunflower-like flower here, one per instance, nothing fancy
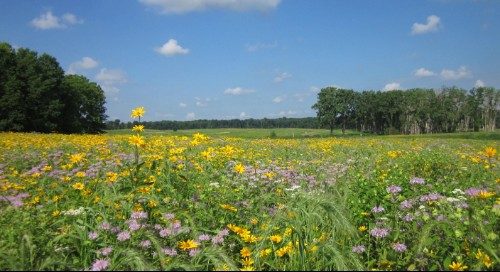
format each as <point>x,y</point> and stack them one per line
<point>239,168</point>
<point>136,140</point>
<point>490,152</point>
<point>138,128</point>
<point>138,112</point>
<point>457,266</point>
<point>188,245</point>
<point>78,186</point>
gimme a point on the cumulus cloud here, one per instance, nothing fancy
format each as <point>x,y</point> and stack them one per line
<point>84,64</point>
<point>392,86</point>
<point>185,6</point>
<point>238,91</point>
<point>460,73</point>
<point>182,105</point>
<point>111,76</point>
<point>258,46</point>
<point>50,21</point>
<point>243,115</point>
<point>279,99</point>
<point>422,72</point>
<point>479,83</point>
<point>433,24</point>
<point>190,116</point>
<point>109,79</point>
<point>171,48</point>
<point>281,77</point>
<point>287,113</point>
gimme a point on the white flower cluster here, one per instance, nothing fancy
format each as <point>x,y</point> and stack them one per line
<point>74,212</point>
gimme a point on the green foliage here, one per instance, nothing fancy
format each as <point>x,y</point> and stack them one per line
<point>413,111</point>
<point>36,96</point>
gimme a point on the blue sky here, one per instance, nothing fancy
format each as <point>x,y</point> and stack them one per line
<point>220,59</point>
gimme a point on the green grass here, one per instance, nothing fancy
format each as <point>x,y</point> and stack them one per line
<point>298,133</point>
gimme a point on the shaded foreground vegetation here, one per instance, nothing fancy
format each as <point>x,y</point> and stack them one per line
<point>199,202</point>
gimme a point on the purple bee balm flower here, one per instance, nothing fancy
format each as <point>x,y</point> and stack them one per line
<point>223,232</point>
<point>100,264</point>
<point>106,251</point>
<point>393,189</point>
<point>157,227</point>
<point>165,232</point>
<point>176,225</point>
<point>378,209</point>
<point>405,205</point>
<point>379,232</point>
<point>145,244</point>
<point>170,251</point>
<point>194,252</point>
<point>139,215</point>
<point>358,249</point>
<point>105,226</point>
<point>416,180</point>
<point>399,247</point>
<point>217,240</point>
<point>124,235</point>
<point>204,237</point>
<point>133,225</point>
<point>472,192</point>
<point>93,235</point>
<point>169,216</point>
<point>408,218</point>
<point>431,197</point>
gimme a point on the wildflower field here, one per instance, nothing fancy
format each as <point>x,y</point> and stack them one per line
<point>119,202</point>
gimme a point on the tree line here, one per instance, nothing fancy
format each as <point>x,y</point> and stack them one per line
<point>36,95</point>
<point>413,111</point>
<point>284,122</point>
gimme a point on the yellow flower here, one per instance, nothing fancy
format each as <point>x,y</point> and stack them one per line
<point>80,174</point>
<point>228,207</point>
<point>239,168</point>
<point>56,213</point>
<point>78,186</point>
<point>136,140</point>
<point>457,266</point>
<point>247,268</point>
<point>254,221</point>
<point>245,252</point>
<point>485,194</point>
<point>138,128</point>
<point>275,238</point>
<point>362,228</point>
<point>138,112</point>
<point>188,244</point>
<point>75,158</point>
<point>490,152</point>
<point>247,261</point>
<point>47,168</point>
<point>287,232</point>
<point>265,252</point>
<point>112,176</point>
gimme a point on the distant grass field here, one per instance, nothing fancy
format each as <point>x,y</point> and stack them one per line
<point>290,133</point>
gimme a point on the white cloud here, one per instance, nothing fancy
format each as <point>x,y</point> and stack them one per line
<point>422,72</point>
<point>49,21</point>
<point>433,24</point>
<point>243,115</point>
<point>479,83</point>
<point>287,113</point>
<point>238,91</point>
<point>185,6</point>
<point>182,105</point>
<point>111,76</point>
<point>462,72</point>
<point>279,99</point>
<point>190,116</point>
<point>71,19</point>
<point>108,79</point>
<point>202,102</point>
<point>392,86</point>
<point>259,46</point>
<point>172,48</point>
<point>83,64</point>
<point>282,76</point>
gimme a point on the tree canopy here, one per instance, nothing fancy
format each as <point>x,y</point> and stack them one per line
<point>36,95</point>
<point>411,111</point>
